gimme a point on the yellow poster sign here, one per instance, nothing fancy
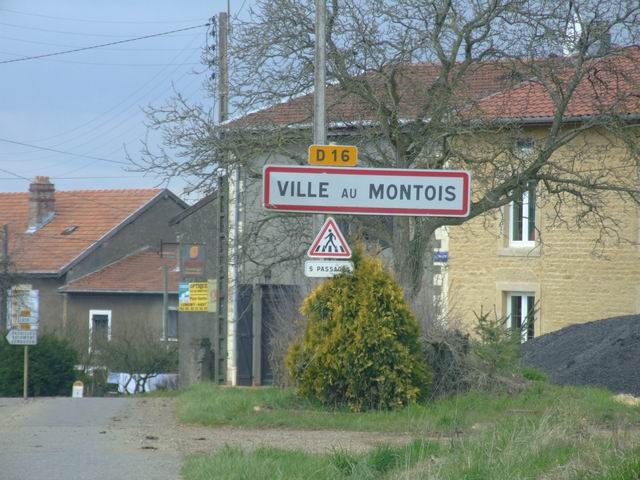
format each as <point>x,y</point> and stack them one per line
<point>193,297</point>
<point>198,296</point>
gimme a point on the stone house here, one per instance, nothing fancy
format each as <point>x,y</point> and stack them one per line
<point>519,260</point>
<point>95,258</point>
<point>263,291</point>
<point>533,266</point>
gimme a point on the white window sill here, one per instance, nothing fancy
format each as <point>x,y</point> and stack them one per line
<point>532,250</point>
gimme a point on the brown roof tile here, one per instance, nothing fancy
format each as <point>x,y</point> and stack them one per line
<point>140,272</point>
<point>610,86</point>
<point>498,89</point>
<point>414,82</point>
<point>94,212</point>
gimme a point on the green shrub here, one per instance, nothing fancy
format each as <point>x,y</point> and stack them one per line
<point>498,347</point>
<point>534,374</point>
<point>361,347</point>
<point>51,368</point>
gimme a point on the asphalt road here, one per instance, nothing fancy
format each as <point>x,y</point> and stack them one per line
<point>72,438</point>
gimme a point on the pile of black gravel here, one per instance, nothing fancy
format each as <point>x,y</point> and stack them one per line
<point>605,353</point>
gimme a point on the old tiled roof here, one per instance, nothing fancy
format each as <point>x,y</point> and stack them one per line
<point>140,272</point>
<point>610,86</point>
<point>492,90</point>
<point>414,82</point>
<point>94,213</point>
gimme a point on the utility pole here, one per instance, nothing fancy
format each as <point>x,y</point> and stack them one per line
<point>319,80</point>
<point>223,61</point>
<point>4,281</point>
<point>319,83</point>
<point>233,214</point>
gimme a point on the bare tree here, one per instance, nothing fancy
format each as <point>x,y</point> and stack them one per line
<point>446,84</point>
<point>137,351</point>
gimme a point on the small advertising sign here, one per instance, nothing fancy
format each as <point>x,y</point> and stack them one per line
<point>193,297</point>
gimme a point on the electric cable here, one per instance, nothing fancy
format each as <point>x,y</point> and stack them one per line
<point>85,20</point>
<point>92,47</point>
<point>23,144</point>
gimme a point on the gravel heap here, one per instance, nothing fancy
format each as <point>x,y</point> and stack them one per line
<point>605,353</point>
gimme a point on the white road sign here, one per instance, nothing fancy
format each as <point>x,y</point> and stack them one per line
<point>367,191</point>
<point>22,337</point>
<point>324,268</point>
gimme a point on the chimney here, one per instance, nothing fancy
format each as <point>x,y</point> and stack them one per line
<point>601,38</point>
<point>41,203</point>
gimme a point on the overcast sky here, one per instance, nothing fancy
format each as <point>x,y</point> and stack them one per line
<point>87,105</point>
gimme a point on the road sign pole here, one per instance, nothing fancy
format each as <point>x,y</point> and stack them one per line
<point>25,377</point>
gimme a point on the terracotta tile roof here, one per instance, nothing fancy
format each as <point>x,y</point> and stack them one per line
<point>94,212</point>
<point>500,90</point>
<point>414,82</point>
<point>610,86</point>
<point>140,272</point>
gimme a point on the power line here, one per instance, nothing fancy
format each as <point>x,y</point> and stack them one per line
<point>6,140</point>
<point>14,175</point>
<point>77,194</point>
<point>104,177</point>
<point>48,30</point>
<point>65,45</point>
<point>105,64</point>
<point>85,20</point>
<point>45,55</point>
<point>151,85</point>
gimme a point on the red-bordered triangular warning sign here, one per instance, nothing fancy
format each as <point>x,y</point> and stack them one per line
<point>329,243</point>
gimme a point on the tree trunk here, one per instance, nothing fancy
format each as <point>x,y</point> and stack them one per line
<point>413,243</point>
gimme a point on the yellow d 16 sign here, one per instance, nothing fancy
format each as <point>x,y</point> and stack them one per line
<point>333,155</point>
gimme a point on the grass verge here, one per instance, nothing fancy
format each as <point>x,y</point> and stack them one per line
<point>264,407</point>
<point>556,433</point>
<point>273,464</point>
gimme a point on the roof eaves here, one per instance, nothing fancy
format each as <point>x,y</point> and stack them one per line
<point>547,120</point>
<point>116,292</point>
<point>333,125</point>
<point>42,274</point>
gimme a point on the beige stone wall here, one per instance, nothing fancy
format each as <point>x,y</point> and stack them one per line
<point>573,280</point>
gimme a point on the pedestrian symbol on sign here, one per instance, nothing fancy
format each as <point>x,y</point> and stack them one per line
<point>329,243</point>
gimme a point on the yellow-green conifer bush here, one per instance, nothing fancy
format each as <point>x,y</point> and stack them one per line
<point>361,347</point>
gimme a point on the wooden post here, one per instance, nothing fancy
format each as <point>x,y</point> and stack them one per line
<point>26,372</point>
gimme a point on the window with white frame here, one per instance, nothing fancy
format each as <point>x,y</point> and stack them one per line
<point>521,313</point>
<point>99,328</point>
<point>522,225</point>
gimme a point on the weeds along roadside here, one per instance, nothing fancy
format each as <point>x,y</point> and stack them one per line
<point>543,432</point>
